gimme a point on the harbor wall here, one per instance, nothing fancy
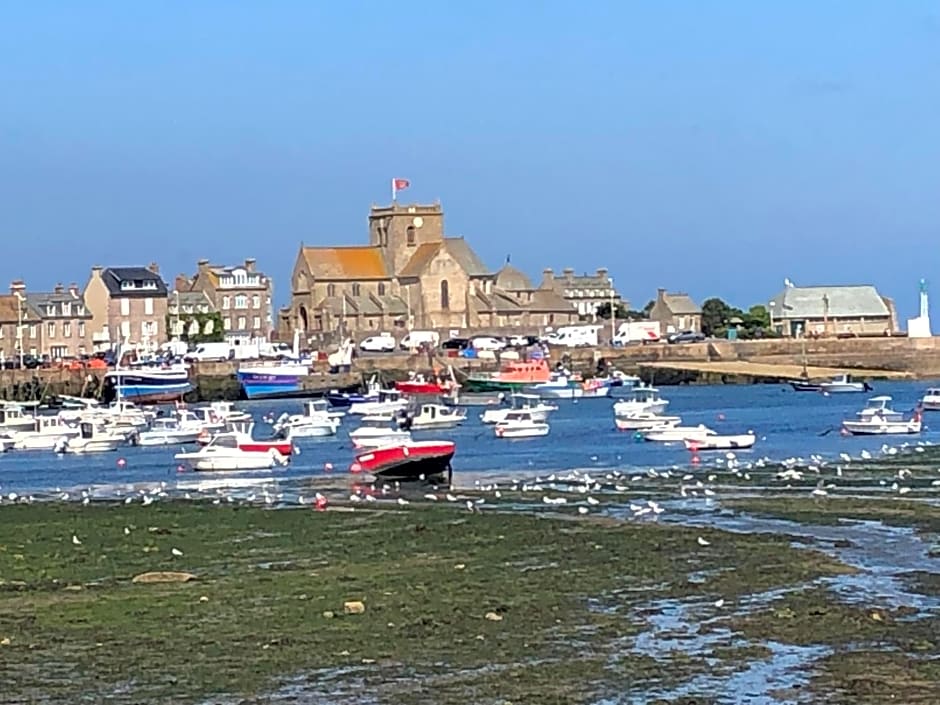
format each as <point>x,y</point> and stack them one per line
<point>918,357</point>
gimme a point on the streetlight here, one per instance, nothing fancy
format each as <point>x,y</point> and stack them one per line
<point>613,316</point>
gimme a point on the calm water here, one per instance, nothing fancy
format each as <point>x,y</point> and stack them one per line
<point>582,436</point>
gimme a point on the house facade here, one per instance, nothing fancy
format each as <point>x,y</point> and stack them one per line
<point>410,276</point>
<point>676,312</point>
<point>189,315</point>
<point>52,324</point>
<point>586,292</point>
<point>242,294</point>
<point>128,306</point>
<point>17,321</point>
<point>821,311</point>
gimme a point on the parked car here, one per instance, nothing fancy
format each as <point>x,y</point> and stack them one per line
<point>378,343</point>
<point>455,344</point>
<point>523,341</point>
<point>486,342</point>
<point>686,336</point>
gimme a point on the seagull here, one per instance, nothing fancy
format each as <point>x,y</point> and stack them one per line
<point>450,497</point>
<point>582,510</point>
<point>176,552</point>
<point>592,501</point>
<point>703,542</point>
<point>77,541</point>
<point>402,501</point>
<point>127,531</point>
<point>719,604</point>
<point>431,497</point>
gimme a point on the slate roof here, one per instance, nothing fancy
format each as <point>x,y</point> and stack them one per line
<point>843,302</point>
<point>512,278</point>
<point>368,305</point>
<point>358,262</point>
<point>681,304</point>
<point>497,301</point>
<point>39,302</point>
<point>193,299</point>
<point>113,276</point>
<point>420,259</point>
<point>466,257</point>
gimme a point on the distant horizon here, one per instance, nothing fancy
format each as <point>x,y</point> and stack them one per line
<point>716,149</point>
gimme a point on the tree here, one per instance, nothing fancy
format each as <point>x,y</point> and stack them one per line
<point>757,317</point>
<point>603,311</point>
<point>715,316</point>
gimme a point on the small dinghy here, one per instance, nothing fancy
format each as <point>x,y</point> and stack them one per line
<point>412,460</point>
<point>716,442</point>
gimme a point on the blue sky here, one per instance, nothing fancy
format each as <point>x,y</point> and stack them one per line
<point>710,147</point>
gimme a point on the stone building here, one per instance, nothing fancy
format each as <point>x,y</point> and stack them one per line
<point>676,312</point>
<point>128,307</point>
<point>187,313</point>
<point>586,292</point>
<point>52,324</point>
<point>241,293</point>
<point>410,276</point>
<point>832,311</point>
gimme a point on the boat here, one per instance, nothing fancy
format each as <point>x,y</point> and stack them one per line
<point>520,424</point>
<point>226,452</point>
<point>167,432</point>
<point>14,417</point>
<point>273,380</point>
<point>513,377</point>
<point>673,434</point>
<point>805,385</point>
<point>389,400</point>
<point>378,433</point>
<point>246,440</point>
<point>842,384</point>
<point>434,416</point>
<point>419,385</point>
<point>5,444</point>
<point>147,384</point>
<point>218,413</point>
<point>532,403</point>
<point>479,398</point>
<point>47,431</point>
<point>931,400</point>
<point>622,382</point>
<point>716,442</point>
<point>92,438</point>
<point>878,418</point>
<point>411,460</point>
<point>645,421</point>
<point>343,400</point>
<point>641,399</point>
<point>563,386</point>
<point>316,421</point>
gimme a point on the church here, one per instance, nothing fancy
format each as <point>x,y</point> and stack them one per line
<point>411,276</point>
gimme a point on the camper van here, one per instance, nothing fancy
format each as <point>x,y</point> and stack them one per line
<point>204,352</point>
<point>573,336</point>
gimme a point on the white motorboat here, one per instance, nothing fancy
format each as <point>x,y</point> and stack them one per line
<point>842,384</point>
<point>378,433</point>
<point>224,453</point>
<point>226,411</point>
<point>877,418</point>
<point>520,424</point>
<point>716,442</point>
<point>45,434</point>
<point>316,421</point>
<point>14,417</point>
<point>168,432</point>
<point>645,421</point>
<point>931,399</point>
<point>5,444</point>
<point>390,400</point>
<point>433,416</point>
<point>674,434</point>
<point>641,399</point>
<point>93,437</point>
<point>563,386</point>
<point>531,403</point>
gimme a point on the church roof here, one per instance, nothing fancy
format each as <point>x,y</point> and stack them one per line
<point>420,259</point>
<point>511,278</point>
<point>360,262</point>
<point>465,256</point>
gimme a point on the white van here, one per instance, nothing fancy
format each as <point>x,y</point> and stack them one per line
<point>210,351</point>
<point>416,338</point>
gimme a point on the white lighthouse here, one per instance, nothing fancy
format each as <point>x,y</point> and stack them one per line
<point>920,327</point>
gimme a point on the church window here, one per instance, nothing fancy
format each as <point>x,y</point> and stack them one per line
<point>381,288</point>
<point>410,234</point>
<point>331,289</point>
<point>445,295</point>
<point>356,291</point>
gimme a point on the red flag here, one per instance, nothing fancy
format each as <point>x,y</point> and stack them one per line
<point>400,184</point>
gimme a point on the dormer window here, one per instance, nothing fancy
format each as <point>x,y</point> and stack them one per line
<point>50,310</point>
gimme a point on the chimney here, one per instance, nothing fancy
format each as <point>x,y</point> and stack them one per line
<point>568,272</point>
<point>96,270</point>
<point>58,289</point>
<point>548,278</point>
<point>17,286</point>
<point>602,272</point>
<point>154,267</point>
<point>73,290</point>
<point>182,283</point>
<point>660,294</point>
<point>250,264</point>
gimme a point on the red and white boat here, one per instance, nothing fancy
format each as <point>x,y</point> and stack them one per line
<point>242,433</point>
<point>414,460</point>
<point>419,385</point>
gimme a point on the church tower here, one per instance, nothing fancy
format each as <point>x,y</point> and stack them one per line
<point>400,230</point>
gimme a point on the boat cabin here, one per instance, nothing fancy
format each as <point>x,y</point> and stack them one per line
<point>520,416</point>
<point>13,415</point>
<point>645,394</point>
<point>879,406</point>
<point>316,407</point>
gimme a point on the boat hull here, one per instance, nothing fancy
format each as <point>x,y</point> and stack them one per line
<point>740,442</point>
<point>887,428</point>
<point>167,438</point>
<point>536,430</point>
<point>678,434</point>
<point>630,423</point>
<point>844,388</point>
<point>805,386</point>
<point>409,461</point>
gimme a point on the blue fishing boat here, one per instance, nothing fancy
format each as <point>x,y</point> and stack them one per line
<point>148,384</point>
<point>273,381</point>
